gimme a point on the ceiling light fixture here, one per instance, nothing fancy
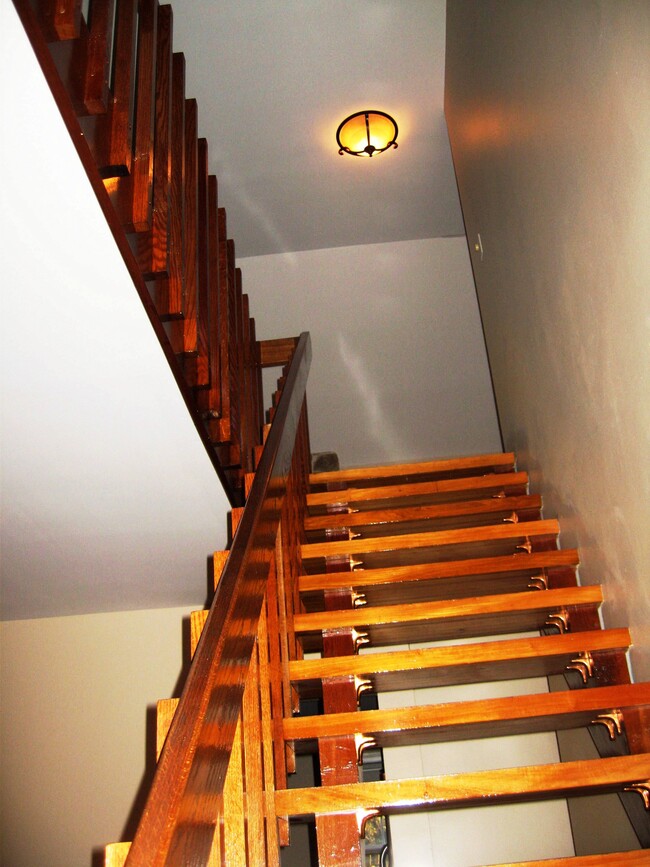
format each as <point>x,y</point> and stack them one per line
<point>366,133</point>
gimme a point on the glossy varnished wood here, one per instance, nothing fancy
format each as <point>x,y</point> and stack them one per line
<point>442,467</point>
<point>446,579</point>
<point>491,540</point>
<point>115,854</point>
<point>510,785</point>
<point>435,723</point>
<point>181,814</point>
<point>117,128</point>
<point>634,858</point>
<point>513,484</point>
<point>276,353</point>
<point>416,518</point>
<point>98,57</point>
<point>455,618</point>
<point>466,663</point>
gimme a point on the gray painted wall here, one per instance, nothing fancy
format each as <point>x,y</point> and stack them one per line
<point>548,106</point>
<point>400,370</point>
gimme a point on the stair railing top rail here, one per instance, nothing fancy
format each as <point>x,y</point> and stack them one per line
<point>180,815</point>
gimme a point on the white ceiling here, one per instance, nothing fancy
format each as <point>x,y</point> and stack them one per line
<point>274,80</point>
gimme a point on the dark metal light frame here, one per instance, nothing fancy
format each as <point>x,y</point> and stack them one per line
<point>369,150</point>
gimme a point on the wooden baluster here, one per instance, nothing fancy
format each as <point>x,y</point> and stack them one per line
<point>248,426</point>
<point>209,400</point>
<point>187,328</point>
<point>270,784</point>
<point>151,247</point>
<point>131,193</point>
<point>253,765</point>
<point>234,830</point>
<point>145,106</point>
<point>98,57</point>
<point>170,292</point>
<point>60,19</point>
<point>224,426</point>
<point>205,346</point>
<point>113,132</point>
<point>70,56</point>
<point>258,392</point>
<point>234,314</point>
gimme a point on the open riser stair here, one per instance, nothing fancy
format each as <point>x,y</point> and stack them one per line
<point>360,571</point>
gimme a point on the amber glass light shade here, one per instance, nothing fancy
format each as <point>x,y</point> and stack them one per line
<point>366,133</point>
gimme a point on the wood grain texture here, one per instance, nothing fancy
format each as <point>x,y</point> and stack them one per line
<point>267,735</point>
<point>197,622</point>
<point>182,812</point>
<point>254,806</point>
<point>377,521</point>
<point>338,836</point>
<point>165,710</point>
<point>234,813</point>
<point>98,57</point>
<point>115,854</point>
<point>509,483</point>
<point>515,533</point>
<point>489,462</point>
<point>171,290</point>
<point>118,125</point>
<point>66,18</point>
<point>510,785</point>
<point>435,621</point>
<point>611,859</point>
<point>451,578</point>
<point>466,663</point>
<point>276,353</point>
<point>145,105</point>
<point>436,723</point>
<point>190,242</point>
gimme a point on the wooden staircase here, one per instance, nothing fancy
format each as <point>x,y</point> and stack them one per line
<point>405,555</point>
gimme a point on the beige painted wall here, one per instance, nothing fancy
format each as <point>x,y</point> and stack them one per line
<point>75,693</point>
<point>548,106</point>
<point>400,370</point>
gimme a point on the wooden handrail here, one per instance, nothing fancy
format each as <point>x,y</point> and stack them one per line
<point>137,138</point>
<point>179,819</point>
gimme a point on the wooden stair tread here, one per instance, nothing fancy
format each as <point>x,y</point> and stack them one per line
<point>442,465</point>
<point>457,578</point>
<point>610,859</point>
<point>375,521</point>
<point>452,721</point>
<point>442,619</point>
<point>423,492</point>
<point>464,663</point>
<point>435,545</point>
<point>508,785</point>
